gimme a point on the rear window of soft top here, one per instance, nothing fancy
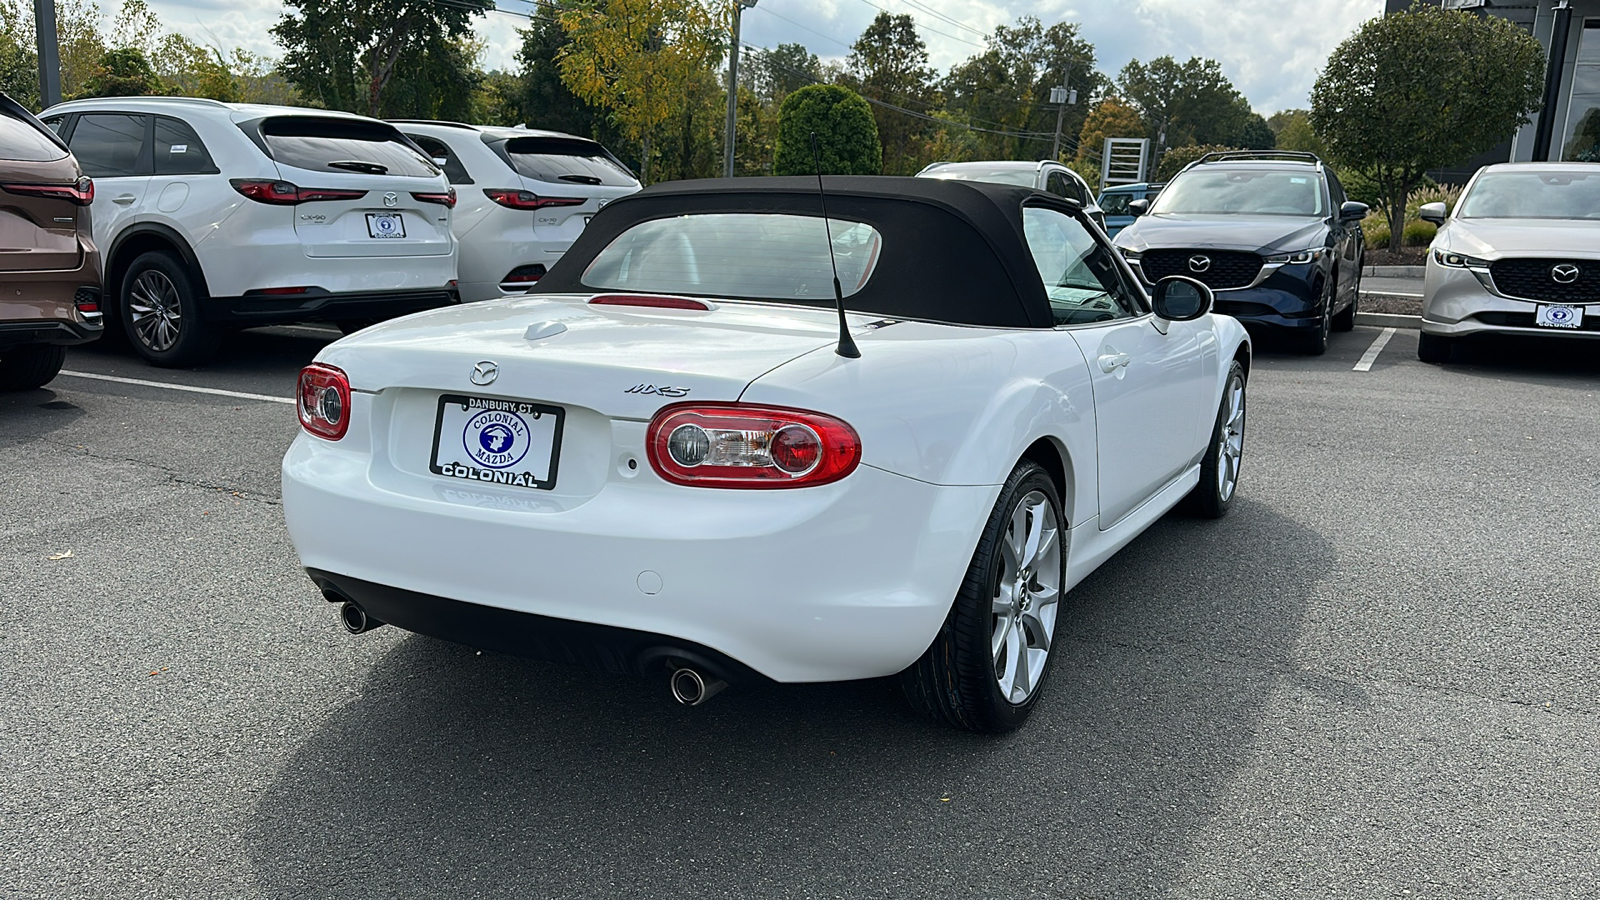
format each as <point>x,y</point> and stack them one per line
<point>328,144</point>
<point>569,160</point>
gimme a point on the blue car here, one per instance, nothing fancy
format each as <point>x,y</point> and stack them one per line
<point>1115,200</point>
<point>1271,232</point>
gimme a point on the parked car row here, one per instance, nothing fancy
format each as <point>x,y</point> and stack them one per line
<point>213,216</point>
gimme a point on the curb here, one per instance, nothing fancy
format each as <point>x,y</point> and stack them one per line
<point>1394,271</point>
<point>1388,320</point>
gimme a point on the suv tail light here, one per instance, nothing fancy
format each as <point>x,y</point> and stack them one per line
<point>735,445</point>
<point>284,193</point>
<point>524,275</point>
<point>515,199</point>
<point>324,401</point>
<point>81,193</point>
<point>448,198</point>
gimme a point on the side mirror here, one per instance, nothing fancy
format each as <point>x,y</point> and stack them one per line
<point>1180,299</point>
<point>1432,212</point>
<point>1139,207</point>
<point>1351,211</point>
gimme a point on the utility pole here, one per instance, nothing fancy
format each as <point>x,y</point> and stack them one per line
<point>44,26</point>
<point>1062,96</point>
<point>733,89</point>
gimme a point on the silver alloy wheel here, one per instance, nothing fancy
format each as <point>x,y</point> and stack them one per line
<point>1230,442</point>
<point>1027,597</point>
<point>154,307</point>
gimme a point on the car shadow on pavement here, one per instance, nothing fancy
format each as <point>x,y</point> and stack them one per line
<point>1526,359</point>
<point>254,351</point>
<point>462,774</point>
<point>27,415</point>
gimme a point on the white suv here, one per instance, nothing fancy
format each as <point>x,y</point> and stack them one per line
<point>524,197</point>
<point>1045,175</point>
<point>215,215</point>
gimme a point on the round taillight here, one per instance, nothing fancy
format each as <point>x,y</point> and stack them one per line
<point>331,405</point>
<point>688,445</point>
<point>796,449</point>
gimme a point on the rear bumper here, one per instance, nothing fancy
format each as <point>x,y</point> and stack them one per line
<point>46,312</point>
<point>843,581</point>
<point>270,309</point>
<point>48,331</point>
<point>604,648</point>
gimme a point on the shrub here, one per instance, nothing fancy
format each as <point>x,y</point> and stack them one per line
<point>847,136</point>
<point>1173,161</point>
<point>1419,234</point>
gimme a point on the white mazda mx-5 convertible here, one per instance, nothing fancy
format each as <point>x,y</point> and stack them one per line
<point>792,429</point>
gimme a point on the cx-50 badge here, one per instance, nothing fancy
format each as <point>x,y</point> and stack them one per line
<point>1198,264</point>
<point>485,372</point>
<point>1565,273</point>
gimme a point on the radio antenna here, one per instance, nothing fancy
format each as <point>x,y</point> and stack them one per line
<point>847,345</point>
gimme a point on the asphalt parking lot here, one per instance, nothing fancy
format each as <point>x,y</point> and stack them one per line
<point>1375,678</point>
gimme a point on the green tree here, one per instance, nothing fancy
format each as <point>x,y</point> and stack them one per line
<point>889,64</point>
<point>1007,88</point>
<point>1294,132</point>
<point>1423,89</point>
<point>1191,103</point>
<point>775,74</point>
<point>19,67</point>
<point>1110,118</point>
<point>643,61</point>
<point>543,100</point>
<point>344,54</point>
<point>122,73</point>
<point>847,135</point>
<point>1173,161</point>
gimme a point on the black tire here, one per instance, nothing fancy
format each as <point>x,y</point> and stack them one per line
<point>1315,342</point>
<point>30,366</point>
<point>1210,498</point>
<point>1346,321</point>
<point>160,312</point>
<point>1434,348</point>
<point>955,682</point>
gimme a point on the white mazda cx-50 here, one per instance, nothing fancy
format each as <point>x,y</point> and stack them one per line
<point>525,196</point>
<point>214,216</point>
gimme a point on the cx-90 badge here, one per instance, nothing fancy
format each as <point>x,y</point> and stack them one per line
<point>485,372</point>
<point>1565,273</point>
<point>1198,264</point>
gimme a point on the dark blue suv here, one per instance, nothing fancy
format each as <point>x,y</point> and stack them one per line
<point>1271,232</point>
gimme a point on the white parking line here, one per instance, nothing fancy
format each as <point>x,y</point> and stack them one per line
<point>1371,356</point>
<point>180,387</point>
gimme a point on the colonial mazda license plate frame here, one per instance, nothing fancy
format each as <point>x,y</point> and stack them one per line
<point>486,440</point>
<point>386,226</point>
<point>1558,315</point>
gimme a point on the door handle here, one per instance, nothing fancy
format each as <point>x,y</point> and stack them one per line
<point>123,199</point>
<point>1111,362</point>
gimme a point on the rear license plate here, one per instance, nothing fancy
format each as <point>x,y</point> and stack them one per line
<point>489,441</point>
<point>386,225</point>
<point>1558,316</point>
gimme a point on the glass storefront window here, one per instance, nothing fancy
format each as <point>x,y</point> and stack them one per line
<point>1582,142</point>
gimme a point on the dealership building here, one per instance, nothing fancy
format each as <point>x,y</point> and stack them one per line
<point>1568,127</point>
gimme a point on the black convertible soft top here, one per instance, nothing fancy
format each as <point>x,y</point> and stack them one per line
<point>953,251</point>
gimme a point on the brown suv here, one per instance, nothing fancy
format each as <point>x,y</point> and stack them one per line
<point>49,267</point>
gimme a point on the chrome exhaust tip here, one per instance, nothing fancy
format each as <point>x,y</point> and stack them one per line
<point>691,688</point>
<point>355,619</point>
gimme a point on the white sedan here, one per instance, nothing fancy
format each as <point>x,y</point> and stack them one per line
<point>695,450</point>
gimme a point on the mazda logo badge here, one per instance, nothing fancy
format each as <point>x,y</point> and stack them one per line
<point>1198,264</point>
<point>485,372</point>
<point>391,199</point>
<point>1565,273</point>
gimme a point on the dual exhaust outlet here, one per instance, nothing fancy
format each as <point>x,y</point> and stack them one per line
<point>689,685</point>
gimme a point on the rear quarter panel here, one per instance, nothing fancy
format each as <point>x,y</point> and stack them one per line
<point>953,405</point>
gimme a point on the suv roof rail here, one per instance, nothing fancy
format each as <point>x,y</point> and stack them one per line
<point>432,122</point>
<point>197,101</point>
<point>1285,155</point>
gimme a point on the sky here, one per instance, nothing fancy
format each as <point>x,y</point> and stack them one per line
<point>1270,49</point>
